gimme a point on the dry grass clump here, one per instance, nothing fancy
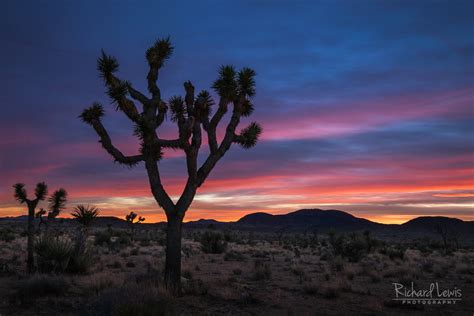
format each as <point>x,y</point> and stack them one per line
<point>262,271</point>
<point>96,283</point>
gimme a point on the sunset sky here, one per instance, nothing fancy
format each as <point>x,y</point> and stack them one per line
<point>367,106</point>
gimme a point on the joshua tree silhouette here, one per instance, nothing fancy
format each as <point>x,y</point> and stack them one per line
<point>57,202</point>
<point>191,115</point>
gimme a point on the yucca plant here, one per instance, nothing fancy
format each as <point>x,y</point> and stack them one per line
<point>192,116</point>
<point>54,253</point>
<point>84,215</point>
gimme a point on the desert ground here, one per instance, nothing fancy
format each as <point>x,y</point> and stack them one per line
<point>230,273</point>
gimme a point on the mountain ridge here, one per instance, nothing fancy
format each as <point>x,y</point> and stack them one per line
<point>298,218</point>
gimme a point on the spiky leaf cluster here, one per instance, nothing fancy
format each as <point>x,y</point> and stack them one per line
<point>204,104</point>
<point>106,65</point>
<point>41,191</point>
<point>246,82</point>
<point>159,52</point>
<point>85,214</point>
<point>141,219</point>
<point>249,136</point>
<point>57,202</point>
<point>226,85</point>
<point>177,108</point>
<point>20,192</point>
<point>247,108</point>
<point>94,112</point>
<point>118,91</point>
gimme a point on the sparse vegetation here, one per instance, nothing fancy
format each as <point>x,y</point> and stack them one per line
<point>240,276</point>
<point>213,242</point>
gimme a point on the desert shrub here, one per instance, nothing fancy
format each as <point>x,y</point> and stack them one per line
<point>145,242</point>
<point>310,289</point>
<point>330,291</point>
<point>427,266</point>
<point>96,283</point>
<point>262,271</point>
<point>135,252</point>
<point>115,265</point>
<point>81,263</point>
<point>41,285</point>
<point>337,264</point>
<point>393,252</point>
<point>7,235</point>
<point>298,270</point>
<point>234,256</point>
<point>194,287</point>
<point>374,277</point>
<point>130,264</point>
<point>237,271</point>
<point>53,253</point>
<point>124,238</point>
<point>350,275</point>
<point>103,237</point>
<point>354,248</point>
<point>213,242</point>
<point>335,288</point>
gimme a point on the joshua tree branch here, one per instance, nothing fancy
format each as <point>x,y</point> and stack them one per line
<point>152,77</point>
<point>214,157</point>
<point>212,126</point>
<point>169,143</point>
<point>124,104</point>
<point>137,95</point>
<point>110,148</point>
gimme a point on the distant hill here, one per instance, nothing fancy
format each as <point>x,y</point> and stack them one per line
<point>308,219</point>
<point>426,224</point>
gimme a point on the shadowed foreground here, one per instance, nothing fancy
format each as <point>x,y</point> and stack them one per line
<point>232,272</point>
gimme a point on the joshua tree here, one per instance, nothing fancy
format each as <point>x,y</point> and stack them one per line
<point>130,218</point>
<point>20,195</point>
<point>57,202</point>
<point>39,215</point>
<point>191,115</point>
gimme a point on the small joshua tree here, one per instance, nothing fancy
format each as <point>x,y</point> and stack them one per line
<point>57,202</point>
<point>130,218</point>
<point>192,115</point>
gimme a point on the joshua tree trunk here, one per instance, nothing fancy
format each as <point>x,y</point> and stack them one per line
<point>31,236</point>
<point>173,254</point>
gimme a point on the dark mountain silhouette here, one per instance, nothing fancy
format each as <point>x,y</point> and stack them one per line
<point>303,220</point>
<point>430,224</point>
<point>308,219</point>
